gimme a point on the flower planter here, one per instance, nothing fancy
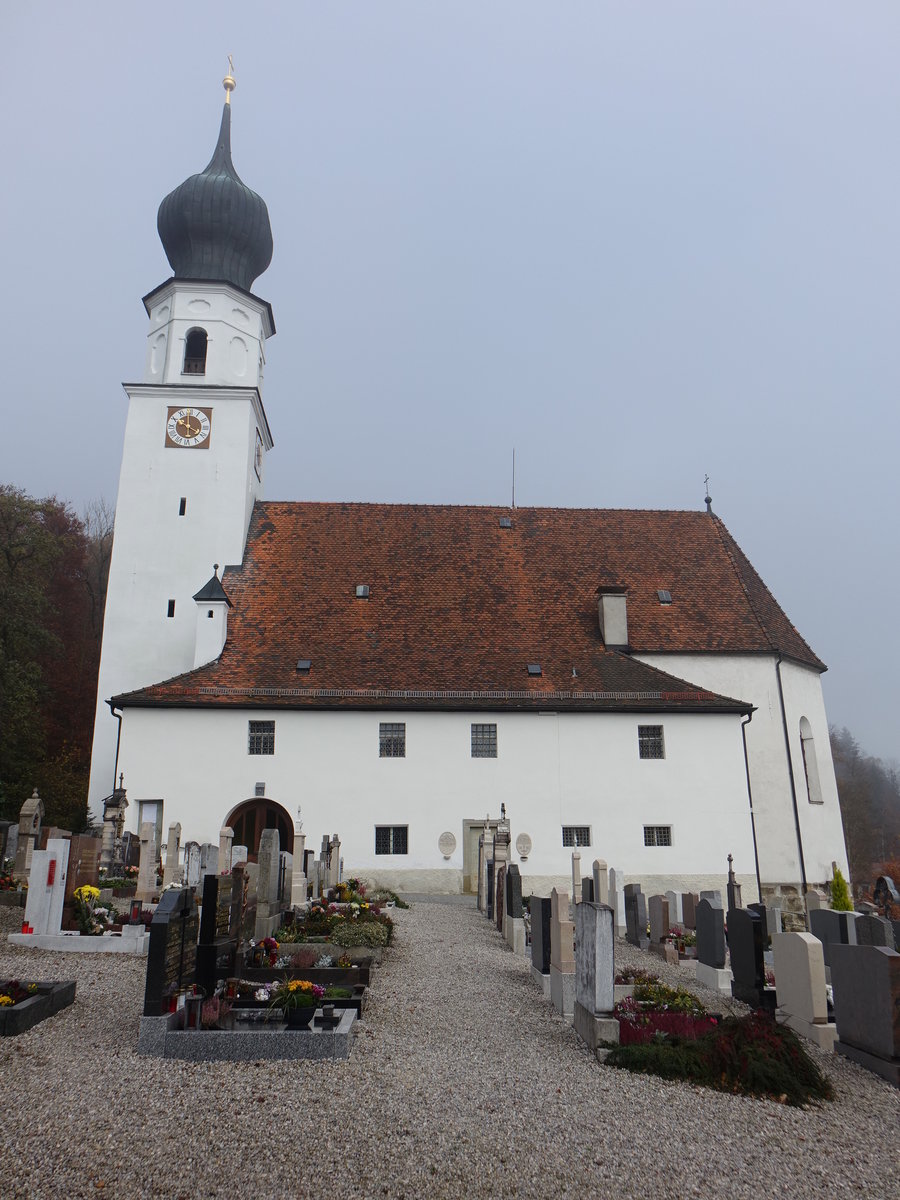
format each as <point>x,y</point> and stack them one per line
<point>326,976</point>
<point>300,1017</point>
<point>49,999</point>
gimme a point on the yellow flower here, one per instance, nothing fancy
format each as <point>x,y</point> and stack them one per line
<point>5,1001</point>
<point>87,893</point>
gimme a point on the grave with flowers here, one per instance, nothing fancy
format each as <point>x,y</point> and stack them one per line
<point>24,1005</point>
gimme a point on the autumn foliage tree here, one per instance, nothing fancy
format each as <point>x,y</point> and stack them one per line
<point>869,794</point>
<point>53,568</point>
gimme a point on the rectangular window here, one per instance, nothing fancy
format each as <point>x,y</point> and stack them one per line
<point>484,741</point>
<point>171,609</point>
<point>650,741</point>
<point>182,506</point>
<point>391,839</point>
<point>392,741</point>
<point>657,835</point>
<point>576,835</point>
<point>261,738</point>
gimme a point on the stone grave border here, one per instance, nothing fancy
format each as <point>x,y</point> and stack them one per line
<point>50,998</point>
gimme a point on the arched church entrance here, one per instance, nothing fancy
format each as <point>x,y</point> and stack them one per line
<point>249,820</point>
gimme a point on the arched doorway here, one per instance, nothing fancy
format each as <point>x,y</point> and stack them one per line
<point>249,819</point>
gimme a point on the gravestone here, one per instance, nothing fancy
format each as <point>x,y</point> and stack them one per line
<point>84,863</point>
<point>226,840</point>
<point>298,871</point>
<point>146,885</point>
<point>192,864</point>
<point>562,954</point>
<point>587,890</point>
<point>595,974</point>
<point>47,887</point>
<point>689,901</point>
<point>31,815</point>
<point>617,897</point>
<point>172,953</point>
<point>746,945</point>
<point>635,915</point>
<point>576,875</point>
<point>712,895</point>
<point>866,983</point>
<point>209,859</point>
<point>267,887</point>
<point>833,928</point>
<point>515,921</point>
<point>172,871</point>
<point>239,854</point>
<point>710,935</point>
<point>815,900</point>
<point>659,919</point>
<point>774,921</point>
<point>675,914</point>
<point>733,888</point>
<point>872,930</point>
<point>540,934</point>
<point>600,879</point>
<point>217,942</point>
<point>12,842</point>
<point>800,987</point>
<point>499,895</point>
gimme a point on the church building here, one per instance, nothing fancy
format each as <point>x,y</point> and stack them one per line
<point>619,680</point>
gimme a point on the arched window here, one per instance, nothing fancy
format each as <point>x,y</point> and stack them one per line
<point>249,820</point>
<point>195,352</point>
<point>810,766</point>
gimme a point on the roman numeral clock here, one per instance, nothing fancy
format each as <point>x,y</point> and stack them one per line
<point>189,428</point>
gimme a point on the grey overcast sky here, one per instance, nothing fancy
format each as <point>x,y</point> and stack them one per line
<point>638,242</point>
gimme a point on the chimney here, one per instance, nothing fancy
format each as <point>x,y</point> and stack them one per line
<point>212,620</point>
<point>613,614</point>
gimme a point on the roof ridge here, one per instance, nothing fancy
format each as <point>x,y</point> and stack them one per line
<point>487,508</point>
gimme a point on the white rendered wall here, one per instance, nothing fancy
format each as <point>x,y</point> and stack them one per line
<point>159,555</point>
<point>571,769</point>
<point>754,678</point>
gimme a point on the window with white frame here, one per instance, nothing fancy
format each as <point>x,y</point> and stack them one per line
<point>657,835</point>
<point>391,839</point>
<point>261,737</point>
<point>576,835</point>
<point>392,739</point>
<point>484,741</point>
<point>650,741</point>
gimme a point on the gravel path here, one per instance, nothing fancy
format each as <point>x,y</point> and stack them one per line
<point>462,1083</point>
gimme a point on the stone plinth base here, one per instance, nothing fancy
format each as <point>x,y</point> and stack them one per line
<point>515,934</point>
<point>595,1028</point>
<point>107,943</point>
<point>717,978</point>
<point>161,1037</point>
<point>562,991</point>
<point>823,1035</point>
<point>666,951</point>
<point>542,981</point>
<point>887,1068</point>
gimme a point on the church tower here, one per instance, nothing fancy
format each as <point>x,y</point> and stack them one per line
<point>196,436</point>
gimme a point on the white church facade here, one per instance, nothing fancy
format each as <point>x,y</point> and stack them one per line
<point>617,679</point>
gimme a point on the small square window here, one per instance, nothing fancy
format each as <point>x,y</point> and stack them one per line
<point>650,741</point>
<point>362,591</point>
<point>392,739</point>
<point>664,595</point>
<point>657,835</point>
<point>391,839</point>
<point>484,741</point>
<point>303,665</point>
<point>261,737</point>
<point>576,835</point>
<point>534,669</point>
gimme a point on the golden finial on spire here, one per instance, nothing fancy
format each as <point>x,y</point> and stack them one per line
<point>228,82</point>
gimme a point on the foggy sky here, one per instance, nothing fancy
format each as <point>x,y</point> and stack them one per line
<point>639,243</point>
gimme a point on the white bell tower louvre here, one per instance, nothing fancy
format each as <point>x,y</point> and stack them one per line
<point>196,436</point>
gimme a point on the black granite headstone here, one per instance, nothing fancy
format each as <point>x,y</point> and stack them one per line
<point>501,896</point>
<point>832,928</point>
<point>490,890</point>
<point>866,982</point>
<point>635,915</point>
<point>540,934</point>
<point>172,953</point>
<point>513,892</point>
<point>710,934</point>
<point>216,948</point>
<point>746,944</point>
<point>587,890</point>
<point>873,930</point>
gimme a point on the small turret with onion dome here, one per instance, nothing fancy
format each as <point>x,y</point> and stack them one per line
<point>212,226</point>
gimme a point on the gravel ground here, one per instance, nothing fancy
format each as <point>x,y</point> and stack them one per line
<point>462,1083</point>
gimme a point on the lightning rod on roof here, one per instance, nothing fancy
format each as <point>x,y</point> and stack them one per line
<point>707,497</point>
<point>514,479</point>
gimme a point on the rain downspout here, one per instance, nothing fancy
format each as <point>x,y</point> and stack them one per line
<point>790,763</point>
<point>118,716</point>
<point>744,725</point>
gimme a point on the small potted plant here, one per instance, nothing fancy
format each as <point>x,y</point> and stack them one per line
<point>298,1000</point>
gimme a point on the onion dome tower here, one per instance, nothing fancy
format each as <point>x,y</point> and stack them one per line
<point>213,226</point>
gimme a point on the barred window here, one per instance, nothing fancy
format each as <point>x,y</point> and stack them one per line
<point>391,839</point>
<point>392,740</point>
<point>484,741</point>
<point>576,835</point>
<point>650,741</point>
<point>261,737</point>
<point>657,835</point>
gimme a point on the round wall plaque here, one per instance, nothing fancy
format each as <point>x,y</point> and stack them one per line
<point>446,844</point>
<point>523,845</point>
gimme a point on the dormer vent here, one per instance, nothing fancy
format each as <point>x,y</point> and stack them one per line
<point>362,591</point>
<point>665,597</point>
<point>613,614</point>
<point>506,522</point>
<point>534,669</point>
<point>303,665</point>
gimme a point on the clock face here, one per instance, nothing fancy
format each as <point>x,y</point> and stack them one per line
<point>258,456</point>
<point>189,428</point>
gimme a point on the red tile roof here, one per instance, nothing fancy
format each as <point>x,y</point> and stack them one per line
<point>458,607</point>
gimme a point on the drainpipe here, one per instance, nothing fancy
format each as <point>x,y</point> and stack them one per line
<point>118,716</point>
<point>787,748</point>
<point>744,725</point>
